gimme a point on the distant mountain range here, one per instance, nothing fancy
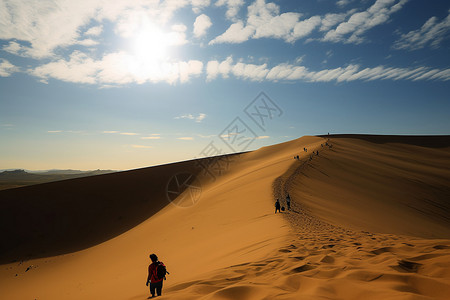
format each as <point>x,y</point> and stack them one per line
<point>19,177</point>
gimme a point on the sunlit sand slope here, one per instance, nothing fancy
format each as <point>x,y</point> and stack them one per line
<point>383,184</point>
<point>331,252</point>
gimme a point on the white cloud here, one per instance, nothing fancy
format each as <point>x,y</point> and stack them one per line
<point>305,27</point>
<point>432,33</point>
<point>199,5</point>
<point>233,7</point>
<point>330,20</point>
<point>79,68</point>
<point>262,137</point>
<point>41,27</point>
<point>289,72</point>
<point>264,20</point>
<point>185,138</point>
<point>7,68</point>
<point>129,133</point>
<point>236,33</point>
<point>94,31</point>
<point>215,68</point>
<point>116,69</point>
<point>110,131</point>
<point>54,131</point>
<point>44,25</point>
<point>239,70</point>
<point>150,138</point>
<point>351,31</point>
<point>342,3</point>
<point>198,119</point>
<point>87,42</point>
<point>268,22</point>
<point>201,25</point>
<point>250,71</point>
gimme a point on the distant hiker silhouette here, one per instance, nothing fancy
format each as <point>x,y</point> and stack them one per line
<point>288,202</point>
<point>277,206</point>
<point>156,274</point>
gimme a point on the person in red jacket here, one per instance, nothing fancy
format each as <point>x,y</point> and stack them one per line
<point>155,282</point>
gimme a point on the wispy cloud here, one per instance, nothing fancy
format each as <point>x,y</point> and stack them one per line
<point>7,68</point>
<point>150,137</point>
<point>54,131</point>
<point>431,33</point>
<point>47,25</point>
<point>141,146</point>
<point>198,119</point>
<point>342,3</point>
<point>185,138</point>
<point>121,133</point>
<point>207,136</point>
<point>110,131</point>
<point>262,137</point>
<point>350,72</point>
<point>241,70</point>
<point>199,5</point>
<point>94,31</point>
<point>233,7</point>
<point>351,31</point>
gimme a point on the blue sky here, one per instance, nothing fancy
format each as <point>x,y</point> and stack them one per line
<point>125,84</point>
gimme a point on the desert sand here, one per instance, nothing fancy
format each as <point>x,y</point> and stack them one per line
<point>370,220</point>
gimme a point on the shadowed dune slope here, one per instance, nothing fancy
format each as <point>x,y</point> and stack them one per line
<point>381,184</point>
<point>65,216</point>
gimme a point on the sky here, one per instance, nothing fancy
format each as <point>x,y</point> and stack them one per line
<point>122,84</point>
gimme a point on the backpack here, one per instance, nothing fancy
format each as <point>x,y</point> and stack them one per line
<point>161,271</point>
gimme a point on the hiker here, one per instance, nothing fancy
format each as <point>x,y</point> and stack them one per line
<point>156,274</point>
<point>288,202</point>
<point>277,206</point>
<point>317,152</point>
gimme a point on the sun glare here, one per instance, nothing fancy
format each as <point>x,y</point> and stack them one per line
<point>151,44</point>
<point>150,53</point>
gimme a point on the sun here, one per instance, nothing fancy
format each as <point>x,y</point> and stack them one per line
<point>151,45</point>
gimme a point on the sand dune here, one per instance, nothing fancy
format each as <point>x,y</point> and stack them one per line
<point>66,216</point>
<point>369,220</point>
<point>382,186</point>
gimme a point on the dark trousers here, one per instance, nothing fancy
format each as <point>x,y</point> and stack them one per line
<point>277,208</point>
<point>156,286</point>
